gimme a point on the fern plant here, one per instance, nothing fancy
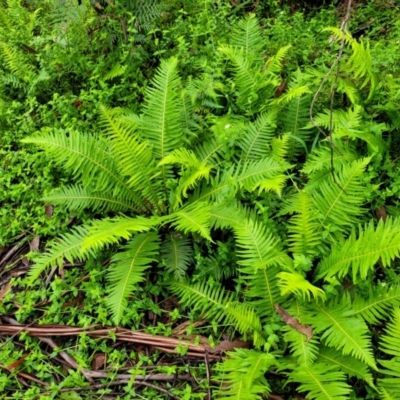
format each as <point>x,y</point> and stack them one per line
<point>182,174</point>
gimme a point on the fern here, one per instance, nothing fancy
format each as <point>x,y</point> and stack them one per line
<point>127,268</point>
<point>321,382</point>
<point>390,346</point>
<point>177,254</point>
<point>360,255</point>
<point>341,332</point>
<point>339,200</point>
<point>68,247</point>
<point>242,375</point>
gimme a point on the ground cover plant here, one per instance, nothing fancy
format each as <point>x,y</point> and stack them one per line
<point>244,190</point>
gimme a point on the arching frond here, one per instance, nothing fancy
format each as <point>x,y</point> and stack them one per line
<point>209,300</point>
<point>111,230</point>
<point>241,375</point>
<point>339,200</point>
<point>177,254</point>
<point>87,158</point>
<point>358,255</point>
<point>349,334</point>
<point>321,382</point>
<point>127,269</point>
<point>77,197</point>
<point>256,140</point>
<point>346,364</point>
<point>134,157</point>
<point>390,346</point>
<point>67,247</point>
<point>375,307</point>
<point>305,351</point>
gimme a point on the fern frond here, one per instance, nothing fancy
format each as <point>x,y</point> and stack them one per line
<point>225,216</point>
<point>321,158</point>
<point>177,255</point>
<point>193,218</point>
<point>274,63</point>
<point>210,301</point>
<point>304,350</point>
<point>87,158</point>
<point>67,247</point>
<point>280,147</point>
<point>245,320</point>
<point>321,382</point>
<point>242,375</point>
<point>390,346</point>
<point>76,197</point>
<point>256,140</point>
<point>339,201</point>
<point>111,230</point>
<point>293,282</point>
<point>134,157</point>
<point>116,70</point>
<point>350,335</point>
<point>346,364</point>
<point>127,269</point>
<point>162,112</point>
<point>304,235</point>
<point>247,35</point>
<point>358,255</point>
<point>377,305</point>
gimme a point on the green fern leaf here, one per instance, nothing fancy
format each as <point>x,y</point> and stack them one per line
<point>256,140</point>
<point>359,255</point>
<point>67,247</point>
<point>390,346</point>
<point>339,200</point>
<point>341,332</point>
<point>321,382</point>
<point>134,157</point>
<point>242,375</point>
<point>127,269</point>
<point>111,230</point>
<point>177,254</point>
<point>346,364</point>
<point>78,198</point>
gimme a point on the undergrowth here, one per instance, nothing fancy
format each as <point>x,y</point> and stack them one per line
<point>187,181</point>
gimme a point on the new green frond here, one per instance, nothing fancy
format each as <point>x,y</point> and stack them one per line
<point>127,269</point>
<point>256,140</point>
<point>292,282</point>
<point>339,200</point>
<point>241,375</point>
<point>194,218</point>
<point>68,247</point>
<point>209,300</point>
<point>111,230</point>
<point>321,382</point>
<point>390,346</point>
<point>78,198</point>
<point>177,254</point>
<point>358,255</point>
<point>349,334</point>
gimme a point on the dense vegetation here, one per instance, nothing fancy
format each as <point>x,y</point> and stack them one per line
<point>231,166</point>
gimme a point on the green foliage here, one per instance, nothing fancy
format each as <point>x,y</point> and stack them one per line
<point>198,177</point>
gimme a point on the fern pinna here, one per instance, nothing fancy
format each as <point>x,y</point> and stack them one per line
<point>305,250</point>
